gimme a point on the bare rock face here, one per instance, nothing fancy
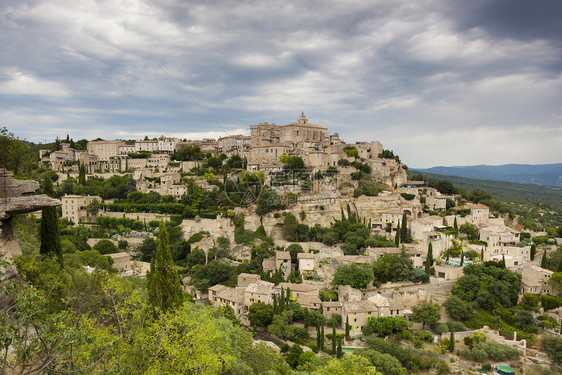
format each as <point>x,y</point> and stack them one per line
<point>13,202</point>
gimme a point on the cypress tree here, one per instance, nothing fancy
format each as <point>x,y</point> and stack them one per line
<point>533,251</point>
<point>462,258</point>
<point>322,334</point>
<point>347,326</point>
<point>503,261</point>
<point>404,228</point>
<point>282,301</point>
<point>288,296</point>
<point>397,236</point>
<point>275,306</point>
<point>339,350</point>
<point>456,227</point>
<point>429,259</point>
<point>560,265</point>
<point>82,174</point>
<point>163,282</point>
<point>452,342</point>
<point>544,261</point>
<point>482,255</point>
<point>50,233</point>
<point>334,339</point>
<point>318,337</point>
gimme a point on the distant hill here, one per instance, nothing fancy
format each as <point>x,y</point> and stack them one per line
<point>539,174</point>
<point>505,191</point>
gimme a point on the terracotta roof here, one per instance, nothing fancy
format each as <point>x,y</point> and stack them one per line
<point>477,206</point>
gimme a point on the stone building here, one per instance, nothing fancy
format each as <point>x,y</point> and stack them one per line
<point>535,280</point>
<point>105,150</point>
<point>74,207</point>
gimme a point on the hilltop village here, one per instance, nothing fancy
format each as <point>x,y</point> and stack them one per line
<point>294,229</point>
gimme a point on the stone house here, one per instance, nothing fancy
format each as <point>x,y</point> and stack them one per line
<point>74,207</point>
<point>448,272</point>
<point>281,260</point>
<point>245,279</point>
<point>306,263</point>
<point>332,307</point>
<point>105,150</point>
<point>535,280</point>
<point>479,213</point>
<point>499,236</point>
<point>357,314</point>
<point>386,307</point>
<point>261,291</point>
<point>226,296</point>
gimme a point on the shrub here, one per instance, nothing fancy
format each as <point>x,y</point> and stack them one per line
<point>455,326</point>
<point>440,328</point>
<point>423,335</point>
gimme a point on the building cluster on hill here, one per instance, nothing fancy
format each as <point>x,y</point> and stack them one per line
<point>262,149</point>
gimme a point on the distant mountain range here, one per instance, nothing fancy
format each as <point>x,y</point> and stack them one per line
<point>539,174</point>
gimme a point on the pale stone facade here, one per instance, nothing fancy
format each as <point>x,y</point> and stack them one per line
<point>306,263</point>
<point>535,280</point>
<point>479,213</point>
<point>74,207</point>
<point>105,150</point>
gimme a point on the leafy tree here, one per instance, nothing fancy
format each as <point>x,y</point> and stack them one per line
<point>105,247</point>
<point>470,230</point>
<point>260,314</point>
<point>384,362</point>
<point>50,232</point>
<point>15,151</point>
<point>457,308</point>
<point>281,325</point>
<point>556,281</point>
<point>393,267</point>
<point>147,249</point>
<point>478,195</point>
<point>354,275</point>
<point>533,251</point>
<point>349,364</point>
<point>163,282</point>
<point>294,354</point>
<point>290,225</point>
<point>428,313</point>
<point>339,352</point>
<point>530,301</point>
<point>445,187</point>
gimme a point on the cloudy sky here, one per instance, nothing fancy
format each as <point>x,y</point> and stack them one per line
<point>440,82</point>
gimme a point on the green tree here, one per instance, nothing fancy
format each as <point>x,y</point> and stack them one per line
<point>339,351</point>
<point>260,314</point>
<point>105,247</point>
<point>384,362</point>
<point>445,187</point>
<point>404,228</point>
<point>429,260</point>
<point>452,342</point>
<point>147,249</point>
<point>50,232</point>
<point>428,313</point>
<point>163,282</point>
<point>397,235</point>
<point>294,250</point>
<point>533,251</point>
<point>354,275</point>
<point>281,325</point>
<point>556,281</point>
<point>544,260</point>
<point>334,339</point>
<point>457,308</point>
<point>470,230</point>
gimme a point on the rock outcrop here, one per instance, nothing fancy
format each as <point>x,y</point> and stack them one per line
<point>13,202</point>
